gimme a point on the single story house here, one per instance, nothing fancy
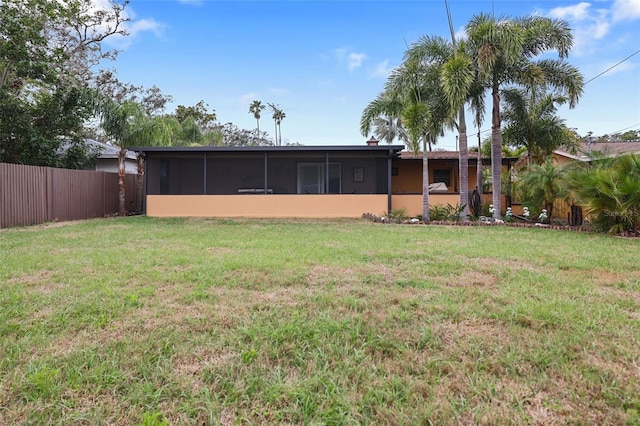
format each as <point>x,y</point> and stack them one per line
<point>444,169</point>
<point>106,156</point>
<point>107,160</point>
<point>585,153</point>
<point>294,181</point>
<point>607,149</point>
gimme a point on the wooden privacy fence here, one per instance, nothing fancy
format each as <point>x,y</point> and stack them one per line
<point>30,195</point>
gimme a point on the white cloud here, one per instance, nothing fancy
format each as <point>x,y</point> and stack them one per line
<point>141,25</point>
<point>626,10</point>
<point>589,25</point>
<point>133,26</point>
<point>460,34</point>
<point>578,12</point>
<point>382,69</point>
<point>355,60</point>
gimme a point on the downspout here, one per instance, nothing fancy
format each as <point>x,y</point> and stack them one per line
<point>389,164</point>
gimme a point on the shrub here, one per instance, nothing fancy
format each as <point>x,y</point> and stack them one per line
<point>447,212</point>
<point>609,189</point>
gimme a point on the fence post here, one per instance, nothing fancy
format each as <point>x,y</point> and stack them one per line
<point>49,195</point>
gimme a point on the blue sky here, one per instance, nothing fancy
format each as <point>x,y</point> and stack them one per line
<point>322,62</point>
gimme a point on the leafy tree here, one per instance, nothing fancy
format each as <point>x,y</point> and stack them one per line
<point>234,136</point>
<point>256,108</point>
<point>629,135</point>
<point>503,50</point>
<point>200,114</point>
<point>507,151</point>
<point>48,53</point>
<point>191,134</point>
<point>33,129</point>
<point>78,155</point>
<point>24,48</point>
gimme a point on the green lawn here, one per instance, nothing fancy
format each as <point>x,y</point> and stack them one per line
<point>136,320</point>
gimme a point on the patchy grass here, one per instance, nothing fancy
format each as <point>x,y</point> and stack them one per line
<point>183,321</point>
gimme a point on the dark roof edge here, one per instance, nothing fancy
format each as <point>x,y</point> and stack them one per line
<point>297,148</point>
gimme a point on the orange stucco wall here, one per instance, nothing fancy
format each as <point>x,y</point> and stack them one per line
<point>413,203</point>
<point>409,175</point>
<point>299,206</point>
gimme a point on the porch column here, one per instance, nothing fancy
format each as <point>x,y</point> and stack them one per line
<point>389,164</point>
<point>326,172</point>
<point>204,184</point>
<point>144,184</point>
<point>266,165</point>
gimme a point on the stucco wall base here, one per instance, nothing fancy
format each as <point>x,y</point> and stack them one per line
<point>412,204</point>
<point>271,206</point>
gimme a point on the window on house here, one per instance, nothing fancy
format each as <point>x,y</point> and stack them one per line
<point>311,178</point>
<point>442,175</point>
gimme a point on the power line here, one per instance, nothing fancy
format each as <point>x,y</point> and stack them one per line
<point>627,128</point>
<point>599,75</point>
<point>612,67</point>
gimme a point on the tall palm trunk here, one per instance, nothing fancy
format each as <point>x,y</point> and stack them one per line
<point>426,218</point>
<point>275,125</point>
<point>463,159</point>
<point>280,135</point>
<point>121,180</point>
<point>496,154</point>
<point>479,168</point>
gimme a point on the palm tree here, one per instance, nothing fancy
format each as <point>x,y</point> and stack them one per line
<point>531,121</point>
<point>191,133</point>
<point>278,116</point>
<point>384,113</point>
<point>541,185</point>
<point>503,51</point>
<point>128,125</point>
<point>425,113</point>
<point>478,108</point>
<point>256,108</point>
<point>456,79</point>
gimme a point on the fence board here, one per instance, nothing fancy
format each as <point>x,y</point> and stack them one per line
<point>30,195</point>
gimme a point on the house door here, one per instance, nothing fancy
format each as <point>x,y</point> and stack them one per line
<point>310,178</point>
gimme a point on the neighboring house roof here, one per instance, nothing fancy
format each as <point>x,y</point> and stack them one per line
<point>433,155</point>
<point>449,155</point>
<point>608,149</point>
<point>107,150</point>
